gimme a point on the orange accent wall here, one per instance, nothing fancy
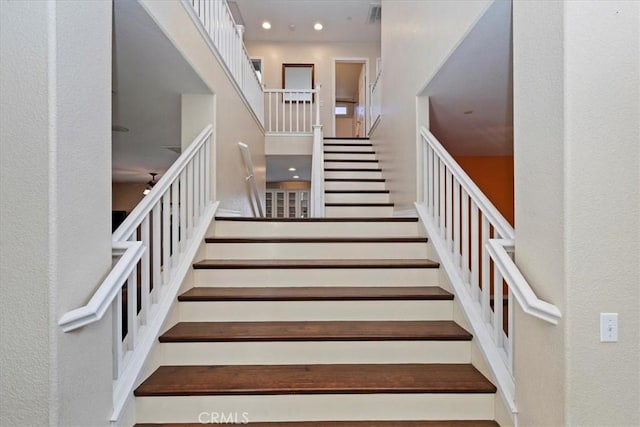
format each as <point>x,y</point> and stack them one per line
<point>494,176</point>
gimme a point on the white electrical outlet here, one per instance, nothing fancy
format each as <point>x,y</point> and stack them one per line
<point>608,327</point>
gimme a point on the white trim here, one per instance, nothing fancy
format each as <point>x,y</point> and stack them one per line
<point>405,213</point>
<point>350,60</point>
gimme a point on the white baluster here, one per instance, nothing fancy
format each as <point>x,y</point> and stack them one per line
<point>485,280</point>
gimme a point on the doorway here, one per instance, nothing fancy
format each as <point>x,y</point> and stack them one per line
<point>350,97</point>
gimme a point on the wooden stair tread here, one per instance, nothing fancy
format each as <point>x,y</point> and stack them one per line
<point>314,379</point>
<point>354,180</point>
<point>317,293</point>
<point>350,160</point>
<point>364,205</point>
<point>438,330</point>
<point>324,219</point>
<point>356,191</point>
<point>352,170</point>
<point>347,144</point>
<point>346,138</point>
<point>313,263</point>
<point>347,152</point>
<point>316,239</point>
<point>431,423</point>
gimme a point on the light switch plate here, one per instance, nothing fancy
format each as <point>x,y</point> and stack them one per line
<point>608,327</point>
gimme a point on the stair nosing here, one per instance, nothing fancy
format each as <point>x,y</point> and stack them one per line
<point>356,205</point>
<point>352,170</point>
<point>356,191</point>
<point>255,264</point>
<point>310,379</point>
<point>348,152</point>
<point>214,239</point>
<point>323,219</point>
<point>315,331</point>
<point>312,293</point>
<point>354,180</point>
<point>350,161</point>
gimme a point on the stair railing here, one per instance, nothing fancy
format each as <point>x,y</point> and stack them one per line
<point>215,21</point>
<point>291,111</point>
<point>476,245</point>
<point>155,246</point>
<point>254,194</point>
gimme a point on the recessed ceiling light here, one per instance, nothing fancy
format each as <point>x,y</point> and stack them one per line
<point>317,26</point>
<point>292,169</point>
<point>295,177</point>
<point>266,25</point>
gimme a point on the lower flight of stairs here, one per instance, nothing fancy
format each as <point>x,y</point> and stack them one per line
<point>354,186</point>
<point>330,322</point>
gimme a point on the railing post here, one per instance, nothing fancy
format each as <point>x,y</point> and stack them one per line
<point>317,174</point>
<point>318,105</point>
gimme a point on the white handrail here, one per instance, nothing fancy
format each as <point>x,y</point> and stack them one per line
<point>292,111</point>
<point>101,301</point>
<point>155,245</point>
<point>473,241</point>
<point>499,250</point>
<point>254,194</point>
<point>215,21</point>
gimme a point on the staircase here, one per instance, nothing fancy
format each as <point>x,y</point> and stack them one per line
<point>354,186</point>
<point>326,322</point>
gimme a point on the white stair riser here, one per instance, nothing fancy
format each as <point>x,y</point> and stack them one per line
<point>353,174</point>
<point>350,165</point>
<point>317,277</point>
<point>357,211</point>
<point>295,353</point>
<point>356,197</point>
<point>349,156</point>
<point>353,185</point>
<point>314,229</point>
<point>363,148</point>
<point>400,406</point>
<point>292,311</point>
<point>316,250</point>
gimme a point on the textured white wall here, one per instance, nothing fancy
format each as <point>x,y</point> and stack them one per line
<point>417,36</point>
<point>322,55</point>
<point>234,121</point>
<point>577,163</point>
<point>56,198</point>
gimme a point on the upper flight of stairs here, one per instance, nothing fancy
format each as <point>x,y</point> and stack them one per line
<point>354,186</point>
<point>316,323</point>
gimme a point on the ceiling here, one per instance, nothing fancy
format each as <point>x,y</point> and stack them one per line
<point>278,168</point>
<point>471,96</point>
<point>149,75</point>
<point>343,20</point>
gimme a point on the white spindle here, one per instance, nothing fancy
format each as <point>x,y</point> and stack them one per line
<point>132,310</point>
<point>475,256</point>
<point>145,286</point>
<point>449,210</point>
<point>441,182</point>
<point>456,223</point>
<point>183,210</point>
<point>196,186</point>
<point>175,222</point>
<point>156,253</point>
<point>497,308</point>
<point>166,237</point>
<point>465,236</point>
<point>117,335</point>
<point>486,274</point>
